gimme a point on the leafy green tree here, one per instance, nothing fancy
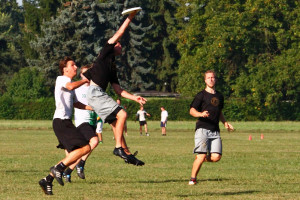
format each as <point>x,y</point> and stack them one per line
<point>252,45</point>
<point>80,30</point>
<point>133,66</point>
<point>75,32</point>
<point>11,56</point>
<point>163,55</point>
<point>27,84</point>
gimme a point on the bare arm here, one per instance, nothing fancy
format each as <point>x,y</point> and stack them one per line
<point>195,113</point>
<point>82,106</point>
<point>76,84</point>
<point>228,126</point>
<point>127,95</point>
<point>122,29</point>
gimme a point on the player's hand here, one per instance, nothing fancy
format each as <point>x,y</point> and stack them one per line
<point>85,80</point>
<point>141,100</point>
<point>204,114</point>
<point>131,16</point>
<point>228,126</point>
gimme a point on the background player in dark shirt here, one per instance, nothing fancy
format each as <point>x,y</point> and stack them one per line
<point>207,106</point>
<point>103,72</point>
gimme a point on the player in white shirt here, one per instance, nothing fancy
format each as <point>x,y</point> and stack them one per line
<point>85,121</point>
<point>142,120</point>
<point>64,129</point>
<point>163,121</point>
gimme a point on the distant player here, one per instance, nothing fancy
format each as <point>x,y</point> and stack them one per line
<point>142,120</point>
<point>207,107</point>
<point>163,121</point>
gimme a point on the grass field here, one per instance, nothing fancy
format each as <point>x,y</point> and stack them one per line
<point>256,169</point>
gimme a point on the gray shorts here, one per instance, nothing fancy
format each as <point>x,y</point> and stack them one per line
<point>102,104</point>
<point>207,141</point>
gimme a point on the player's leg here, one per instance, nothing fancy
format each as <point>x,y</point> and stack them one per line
<point>146,129</point>
<point>201,149</point>
<point>196,167</point>
<point>215,149</point>
<point>125,128</point>
<point>141,129</point>
<point>73,142</point>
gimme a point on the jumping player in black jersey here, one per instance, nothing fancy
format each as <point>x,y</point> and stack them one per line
<point>103,72</point>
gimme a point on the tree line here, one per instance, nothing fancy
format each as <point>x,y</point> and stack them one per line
<point>253,45</point>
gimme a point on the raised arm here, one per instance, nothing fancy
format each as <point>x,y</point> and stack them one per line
<point>117,36</point>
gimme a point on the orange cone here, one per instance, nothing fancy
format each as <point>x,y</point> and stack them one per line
<point>250,137</point>
<point>262,136</point>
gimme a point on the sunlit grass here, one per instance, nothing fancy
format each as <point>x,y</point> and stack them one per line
<point>256,169</point>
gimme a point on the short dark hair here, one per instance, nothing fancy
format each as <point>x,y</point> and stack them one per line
<point>63,64</point>
<point>210,71</point>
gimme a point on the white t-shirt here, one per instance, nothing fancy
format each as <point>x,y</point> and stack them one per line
<point>64,98</point>
<point>164,116</point>
<point>81,115</point>
<point>141,114</point>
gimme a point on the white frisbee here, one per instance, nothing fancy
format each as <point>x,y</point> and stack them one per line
<point>130,10</point>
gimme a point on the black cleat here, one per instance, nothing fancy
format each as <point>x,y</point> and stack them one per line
<point>80,172</point>
<point>67,177</point>
<point>120,152</point>
<point>46,186</point>
<point>133,160</point>
<point>57,175</point>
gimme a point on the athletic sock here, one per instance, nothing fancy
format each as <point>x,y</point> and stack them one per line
<point>68,171</point>
<point>61,167</point>
<point>81,163</point>
<point>49,178</point>
<point>193,179</point>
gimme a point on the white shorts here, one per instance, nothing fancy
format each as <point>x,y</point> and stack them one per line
<point>99,127</point>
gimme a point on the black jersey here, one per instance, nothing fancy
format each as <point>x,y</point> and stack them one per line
<point>214,104</point>
<point>104,69</point>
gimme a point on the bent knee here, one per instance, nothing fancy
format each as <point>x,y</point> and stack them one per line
<point>94,142</point>
<point>216,157</point>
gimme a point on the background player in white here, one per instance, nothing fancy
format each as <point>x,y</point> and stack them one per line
<point>85,121</point>
<point>163,121</point>
<point>142,120</point>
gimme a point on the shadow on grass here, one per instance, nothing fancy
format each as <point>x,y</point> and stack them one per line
<point>221,193</point>
<point>179,180</point>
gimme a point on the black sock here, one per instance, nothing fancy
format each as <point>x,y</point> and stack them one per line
<point>81,163</point>
<point>61,167</point>
<point>49,178</point>
<point>68,171</point>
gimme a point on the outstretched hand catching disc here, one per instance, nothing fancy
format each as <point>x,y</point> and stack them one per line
<point>130,10</point>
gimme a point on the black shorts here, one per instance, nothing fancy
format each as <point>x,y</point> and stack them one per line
<point>113,116</point>
<point>87,130</point>
<point>68,136</point>
<point>142,123</point>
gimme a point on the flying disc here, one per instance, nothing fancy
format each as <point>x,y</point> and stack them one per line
<point>130,10</point>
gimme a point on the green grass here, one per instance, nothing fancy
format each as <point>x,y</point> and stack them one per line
<point>257,169</point>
